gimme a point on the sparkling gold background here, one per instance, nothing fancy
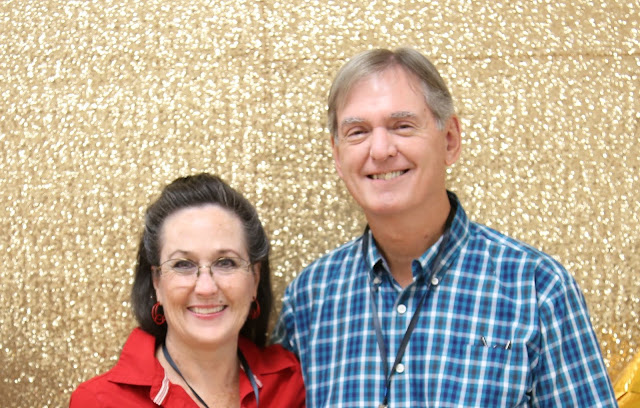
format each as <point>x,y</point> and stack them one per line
<point>104,101</point>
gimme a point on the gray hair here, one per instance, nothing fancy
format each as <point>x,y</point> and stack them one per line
<point>436,93</point>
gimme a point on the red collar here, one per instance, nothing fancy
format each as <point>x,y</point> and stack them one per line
<point>139,366</point>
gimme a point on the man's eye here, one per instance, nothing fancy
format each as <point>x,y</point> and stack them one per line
<point>404,126</point>
<point>355,133</point>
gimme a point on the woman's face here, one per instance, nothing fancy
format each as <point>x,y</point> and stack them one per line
<point>204,309</point>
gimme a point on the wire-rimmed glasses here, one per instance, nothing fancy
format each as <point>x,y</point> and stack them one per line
<point>190,270</point>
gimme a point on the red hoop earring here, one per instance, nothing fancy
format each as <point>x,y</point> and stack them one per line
<point>254,312</point>
<point>158,317</point>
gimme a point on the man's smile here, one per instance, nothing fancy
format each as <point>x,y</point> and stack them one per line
<point>387,176</point>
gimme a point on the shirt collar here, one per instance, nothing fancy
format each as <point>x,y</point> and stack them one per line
<point>458,230</point>
<point>138,364</point>
<point>268,360</point>
<point>262,362</point>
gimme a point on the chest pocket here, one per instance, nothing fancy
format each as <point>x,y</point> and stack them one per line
<point>491,375</point>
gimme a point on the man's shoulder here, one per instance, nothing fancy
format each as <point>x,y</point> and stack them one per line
<point>481,234</point>
<point>507,249</point>
<point>347,250</point>
<point>330,264</point>
<point>480,238</point>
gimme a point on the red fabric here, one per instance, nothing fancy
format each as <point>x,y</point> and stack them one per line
<point>137,379</point>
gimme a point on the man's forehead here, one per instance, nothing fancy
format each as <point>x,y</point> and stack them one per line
<point>397,74</point>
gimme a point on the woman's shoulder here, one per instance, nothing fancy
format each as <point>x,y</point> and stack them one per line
<point>268,359</point>
<point>88,393</point>
<point>101,392</point>
<point>279,373</point>
<point>127,381</point>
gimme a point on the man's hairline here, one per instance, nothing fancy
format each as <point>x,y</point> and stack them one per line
<point>423,91</point>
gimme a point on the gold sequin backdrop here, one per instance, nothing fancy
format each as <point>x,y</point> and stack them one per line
<point>104,101</point>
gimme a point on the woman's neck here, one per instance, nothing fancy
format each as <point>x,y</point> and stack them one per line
<point>212,372</point>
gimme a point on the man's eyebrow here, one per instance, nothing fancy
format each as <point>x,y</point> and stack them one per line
<point>403,114</point>
<point>395,115</point>
<point>351,120</point>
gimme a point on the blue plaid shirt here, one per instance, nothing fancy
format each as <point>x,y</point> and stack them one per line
<point>503,324</point>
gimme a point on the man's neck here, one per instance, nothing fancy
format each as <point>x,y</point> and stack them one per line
<point>405,237</point>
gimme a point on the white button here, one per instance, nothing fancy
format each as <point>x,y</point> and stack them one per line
<point>435,281</point>
<point>402,309</point>
<point>400,368</point>
<point>377,280</point>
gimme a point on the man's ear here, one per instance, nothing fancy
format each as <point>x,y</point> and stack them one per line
<point>336,156</point>
<point>453,140</point>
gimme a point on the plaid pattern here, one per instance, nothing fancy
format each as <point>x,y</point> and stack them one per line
<point>503,325</point>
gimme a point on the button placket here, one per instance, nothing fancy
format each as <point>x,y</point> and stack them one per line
<point>401,309</point>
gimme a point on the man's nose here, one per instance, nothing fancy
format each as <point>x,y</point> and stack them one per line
<point>382,144</point>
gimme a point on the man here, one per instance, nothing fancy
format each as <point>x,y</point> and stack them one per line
<point>427,308</point>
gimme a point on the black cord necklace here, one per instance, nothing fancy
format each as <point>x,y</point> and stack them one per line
<point>243,362</point>
<point>416,315</point>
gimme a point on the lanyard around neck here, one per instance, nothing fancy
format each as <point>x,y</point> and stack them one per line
<point>243,362</point>
<point>416,315</point>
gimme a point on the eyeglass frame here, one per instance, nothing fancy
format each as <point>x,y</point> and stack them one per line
<point>245,266</point>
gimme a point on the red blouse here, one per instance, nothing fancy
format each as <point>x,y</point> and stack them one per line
<point>138,379</point>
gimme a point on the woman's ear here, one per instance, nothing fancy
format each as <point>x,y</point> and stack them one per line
<point>256,277</point>
<point>155,278</point>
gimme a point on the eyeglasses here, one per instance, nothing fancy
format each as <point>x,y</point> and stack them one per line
<point>186,268</point>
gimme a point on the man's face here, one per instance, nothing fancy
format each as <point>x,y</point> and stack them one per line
<point>389,150</point>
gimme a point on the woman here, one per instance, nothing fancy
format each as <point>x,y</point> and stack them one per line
<point>202,297</point>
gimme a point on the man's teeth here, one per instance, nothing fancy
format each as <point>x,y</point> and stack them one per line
<point>207,310</point>
<point>387,176</point>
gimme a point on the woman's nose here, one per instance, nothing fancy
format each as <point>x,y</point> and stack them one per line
<point>206,281</point>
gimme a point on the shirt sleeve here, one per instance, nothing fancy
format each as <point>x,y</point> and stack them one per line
<point>570,369</point>
<point>284,330</point>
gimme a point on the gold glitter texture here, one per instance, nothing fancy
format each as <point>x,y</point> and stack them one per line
<point>103,102</point>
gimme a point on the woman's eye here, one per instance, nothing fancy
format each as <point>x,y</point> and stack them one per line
<point>183,265</point>
<point>226,263</point>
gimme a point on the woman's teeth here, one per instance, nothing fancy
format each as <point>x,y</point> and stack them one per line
<point>207,310</point>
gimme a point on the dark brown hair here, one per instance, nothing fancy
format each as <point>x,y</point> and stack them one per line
<point>193,191</point>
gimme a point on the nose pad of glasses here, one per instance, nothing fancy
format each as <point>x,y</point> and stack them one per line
<point>209,279</point>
